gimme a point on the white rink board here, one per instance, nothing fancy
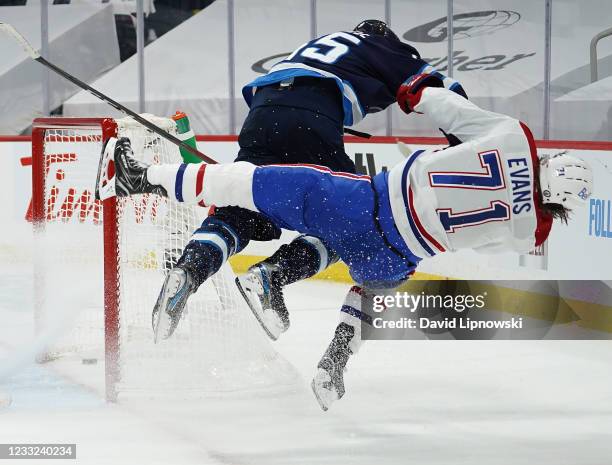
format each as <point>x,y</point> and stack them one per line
<point>576,251</point>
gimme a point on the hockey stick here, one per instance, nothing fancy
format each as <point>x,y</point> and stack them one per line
<point>405,150</point>
<point>12,32</point>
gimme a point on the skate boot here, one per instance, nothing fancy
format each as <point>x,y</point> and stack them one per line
<point>119,173</point>
<point>328,383</point>
<point>264,296</point>
<point>177,288</point>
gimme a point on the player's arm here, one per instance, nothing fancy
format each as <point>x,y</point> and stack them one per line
<point>447,82</point>
<point>405,62</point>
<point>421,74</point>
<point>451,112</point>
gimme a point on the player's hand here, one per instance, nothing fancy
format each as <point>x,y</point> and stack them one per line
<point>409,93</point>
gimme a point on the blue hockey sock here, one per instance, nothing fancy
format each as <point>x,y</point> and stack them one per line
<point>209,248</point>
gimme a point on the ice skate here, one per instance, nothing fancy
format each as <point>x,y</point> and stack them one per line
<point>171,302</point>
<point>265,298</point>
<point>328,382</point>
<point>120,174</point>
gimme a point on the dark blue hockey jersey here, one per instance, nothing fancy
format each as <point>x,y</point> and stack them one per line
<point>367,68</point>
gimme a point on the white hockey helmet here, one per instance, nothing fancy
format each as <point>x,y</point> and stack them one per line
<point>565,180</point>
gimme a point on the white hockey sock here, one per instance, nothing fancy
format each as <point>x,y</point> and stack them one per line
<point>353,314</point>
<point>183,182</point>
<point>205,185</point>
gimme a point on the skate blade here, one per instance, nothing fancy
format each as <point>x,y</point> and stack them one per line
<point>105,178</point>
<point>256,313</point>
<point>324,396</point>
<point>157,330</point>
<point>322,404</point>
<point>163,322</point>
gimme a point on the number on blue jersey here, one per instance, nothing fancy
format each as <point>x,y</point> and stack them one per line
<point>328,49</point>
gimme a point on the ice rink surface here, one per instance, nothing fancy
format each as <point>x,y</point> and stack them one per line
<point>421,402</point>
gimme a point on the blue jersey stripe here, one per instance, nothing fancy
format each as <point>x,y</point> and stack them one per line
<point>421,69</point>
<point>353,109</point>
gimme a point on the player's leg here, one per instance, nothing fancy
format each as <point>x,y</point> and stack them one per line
<point>262,285</point>
<point>328,382</point>
<point>228,231</point>
<point>293,197</point>
<point>302,124</point>
<point>373,261</point>
<point>228,184</point>
<point>221,235</point>
<point>225,232</point>
<point>356,316</point>
<point>275,191</point>
<point>131,177</point>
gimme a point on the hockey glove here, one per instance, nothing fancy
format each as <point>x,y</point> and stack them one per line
<point>409,93</point>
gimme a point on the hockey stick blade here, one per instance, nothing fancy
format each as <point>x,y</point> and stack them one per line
<point>12,32</point>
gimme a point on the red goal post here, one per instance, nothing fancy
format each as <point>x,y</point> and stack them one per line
<point>40,167</point>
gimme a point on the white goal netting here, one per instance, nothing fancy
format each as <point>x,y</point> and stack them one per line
<point>217,346</point>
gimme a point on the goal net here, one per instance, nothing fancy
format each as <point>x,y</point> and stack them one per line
<point>99,267</point>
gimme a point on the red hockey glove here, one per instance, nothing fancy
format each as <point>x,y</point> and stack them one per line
<point>409,93</point>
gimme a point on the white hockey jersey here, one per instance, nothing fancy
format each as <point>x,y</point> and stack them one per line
<point>480,194</point>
